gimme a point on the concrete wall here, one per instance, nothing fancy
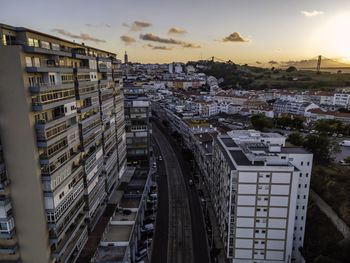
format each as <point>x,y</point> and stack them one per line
<point>19,145</point>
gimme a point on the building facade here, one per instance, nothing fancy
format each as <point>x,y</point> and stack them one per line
<point>260,193</point>
<point>59,107</point>
<point>138,126</point>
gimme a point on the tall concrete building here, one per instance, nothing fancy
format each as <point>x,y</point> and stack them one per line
<point>62,142</point>
<point>259,190</point>
<point>138,126</point>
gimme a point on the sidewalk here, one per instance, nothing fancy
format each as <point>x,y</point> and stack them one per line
<point>221,257</point>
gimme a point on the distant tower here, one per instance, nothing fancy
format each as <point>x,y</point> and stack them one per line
<point>319,64</point>
<point>126,61</point>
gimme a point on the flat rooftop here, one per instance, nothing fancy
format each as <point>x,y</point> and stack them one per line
<point>123,217</point>
<point>109,254</point>
<point>130,202</point>
<point>117,233</point>
<point>241,159</point>
<point>228,142</point>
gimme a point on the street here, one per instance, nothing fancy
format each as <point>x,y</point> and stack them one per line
<point>160,241</point>
<point>179,241</point>
<point>187,240</point>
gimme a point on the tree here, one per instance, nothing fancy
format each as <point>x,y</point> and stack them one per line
<point>322,147</point>
<point>347,159</point>
<point>329,126</point>
<point>291,69</point>
<point>261,123</point>
<point>296,138</point>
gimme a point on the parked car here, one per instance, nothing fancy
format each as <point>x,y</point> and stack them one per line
<point>160,158</point>
<point>190,182</point>
<point>345,143</point>
<point>343,162</point>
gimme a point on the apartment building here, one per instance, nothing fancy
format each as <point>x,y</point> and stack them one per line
<point>293,107</point>
<point>8,239</point>
<point>341,99</point>
<point>138,126</point>
<point>59,103</point>
<point>260,193</point>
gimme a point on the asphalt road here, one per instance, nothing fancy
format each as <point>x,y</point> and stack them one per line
<point>160,241</point>
<point>180,249</point>
<point>182,171</point>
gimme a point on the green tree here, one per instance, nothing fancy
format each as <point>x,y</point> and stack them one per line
<point>261,123</point>
<point>296,138</point>
<point>331,126</point>
<point>347,159</point>
<point>322,147</point>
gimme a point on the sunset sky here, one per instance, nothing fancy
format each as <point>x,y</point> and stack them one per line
<point>244,31</point>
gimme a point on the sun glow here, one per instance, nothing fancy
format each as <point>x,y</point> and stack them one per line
<point>334,36</point>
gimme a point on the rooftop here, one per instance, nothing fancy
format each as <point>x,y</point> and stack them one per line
<point>117,233</point>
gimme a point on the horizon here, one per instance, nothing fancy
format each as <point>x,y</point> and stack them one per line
<point>163,32</point>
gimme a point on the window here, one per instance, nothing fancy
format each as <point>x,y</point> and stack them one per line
<point>303,207</point>
<point>45,44</point>
<point>305,185</point>
<point>33,42</point>
<point>300,174</point>
<point>307,174</point>
<point>55,46</point>
<point>299,185</point>
<point>302,163</point>
<point>29,62</point>
<point>36,62</point>
<point>308,164</point>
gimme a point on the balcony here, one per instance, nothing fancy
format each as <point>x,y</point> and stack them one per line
<point>68,215</point>
<point>45,87</point>
<point>88,107</point>
<point>44,141</point>
<point>41,106</point>
<point>86,122</point>
<point>74,232</point>
<point>49,66</point>
<point>83,69</point>
<point>39,50</point>
<point>76,245</point>
<point>86,90</point>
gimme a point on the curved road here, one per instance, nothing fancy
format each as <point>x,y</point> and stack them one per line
<point>191,232</point>
<point>180,227</point>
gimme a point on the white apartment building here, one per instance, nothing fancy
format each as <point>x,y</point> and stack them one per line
<point>260,193</point>
<point>341,99</point>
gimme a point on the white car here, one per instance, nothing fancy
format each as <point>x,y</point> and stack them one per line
<point>160,158</point>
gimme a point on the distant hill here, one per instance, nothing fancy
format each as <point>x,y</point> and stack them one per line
<point>312,63</point>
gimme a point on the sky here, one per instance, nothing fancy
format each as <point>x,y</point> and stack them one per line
<point>160,31</point>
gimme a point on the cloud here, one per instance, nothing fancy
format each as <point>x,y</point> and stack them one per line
<point>137,25</point>
<point>258,62</point>
<point>272,62</point>
<point>159,47</point>
<point>235,37</point>
<point>172,41</point>
<point>127,39</point>
<point>82,36</point>
<point>98,25</point>
<point>191,45</point>
<point>312,13</point>
<point>176,30</point>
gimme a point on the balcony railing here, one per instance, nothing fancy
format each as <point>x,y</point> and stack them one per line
<point>44,87</point>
